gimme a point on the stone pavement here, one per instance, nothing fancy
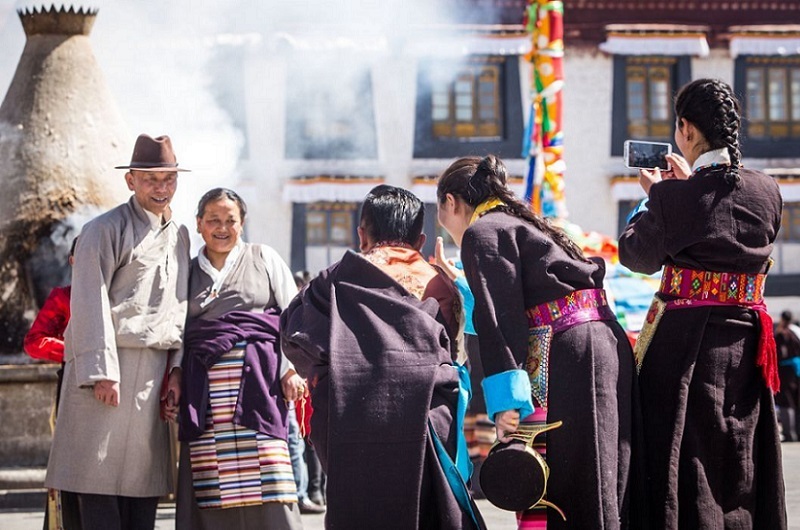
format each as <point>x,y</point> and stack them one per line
<point>495,519</point>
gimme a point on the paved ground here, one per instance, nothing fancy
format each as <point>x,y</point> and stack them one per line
<point>495,519</point>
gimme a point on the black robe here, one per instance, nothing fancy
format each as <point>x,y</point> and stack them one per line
<point>511,266</point>
<point>788,347</point>
<point>711,438</point>
<point>379,365</point>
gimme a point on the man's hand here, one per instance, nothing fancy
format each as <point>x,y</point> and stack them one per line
<point>294,387</point>
<point>171,396</point>
<point>107,392</point>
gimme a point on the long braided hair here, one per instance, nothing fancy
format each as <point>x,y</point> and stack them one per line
<point>713,108</point>
<point>475,180</point>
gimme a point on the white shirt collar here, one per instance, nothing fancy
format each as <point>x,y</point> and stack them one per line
<point>719,157</point>
<point>218,276</point>
<point>150,217</point>
<point>155,220</point>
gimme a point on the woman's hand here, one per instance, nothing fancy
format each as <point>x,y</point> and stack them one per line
<point>679,167</point>
<point>506,422</point>
<point>679,170</point>
<point>294,387</point>
<point>446,264</point>
<point>648,177</point>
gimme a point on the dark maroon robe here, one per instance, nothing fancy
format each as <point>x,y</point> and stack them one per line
<point>711,437</point>
<point>379,365</point>
<point>512,266</point>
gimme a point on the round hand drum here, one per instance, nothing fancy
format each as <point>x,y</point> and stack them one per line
<point>514,476</point>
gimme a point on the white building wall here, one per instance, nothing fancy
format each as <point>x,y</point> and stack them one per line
<point>394,86</point>
<point>588,97</point>
<point>718,65</point>
<point>588,91</point>
<point>264,171</point>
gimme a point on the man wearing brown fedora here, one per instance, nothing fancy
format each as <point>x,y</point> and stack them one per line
<point>129,292</point>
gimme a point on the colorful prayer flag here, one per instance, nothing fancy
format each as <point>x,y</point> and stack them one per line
<point>544,137</point>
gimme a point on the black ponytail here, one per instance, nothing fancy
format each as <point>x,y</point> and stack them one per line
<point>711,106</point>
<point>475,180</point>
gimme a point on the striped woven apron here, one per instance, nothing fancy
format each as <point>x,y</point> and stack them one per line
<point>234,466</point>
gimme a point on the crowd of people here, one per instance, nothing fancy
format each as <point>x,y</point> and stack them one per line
<point>349,393</point>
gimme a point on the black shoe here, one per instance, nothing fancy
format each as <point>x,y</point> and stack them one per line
<point>308,507</point>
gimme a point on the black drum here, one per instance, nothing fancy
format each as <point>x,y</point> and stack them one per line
<point>514,475</point>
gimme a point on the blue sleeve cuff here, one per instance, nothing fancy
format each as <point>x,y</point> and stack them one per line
<point>509,390</point>
<point>469,303</point>
<point>641,207</point>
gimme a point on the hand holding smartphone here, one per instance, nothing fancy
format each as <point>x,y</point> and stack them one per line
<point>646,155</point>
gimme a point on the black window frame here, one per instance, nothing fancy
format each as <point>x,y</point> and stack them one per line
<point>508,144</point>
<point>624,209</point>
<point>681,74</point>
<point>299,240</point>
<point>762,146</point>
<point>299,115</point>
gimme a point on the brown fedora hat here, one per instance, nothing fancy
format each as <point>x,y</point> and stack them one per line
<point>153,154</point>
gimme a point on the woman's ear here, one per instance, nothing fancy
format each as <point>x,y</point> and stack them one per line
<point>451,202</point>
<point>689,131</point>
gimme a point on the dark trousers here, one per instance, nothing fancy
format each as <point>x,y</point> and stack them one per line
<point>111,512</point>
<point>70,514</point>
<point>316,477</point>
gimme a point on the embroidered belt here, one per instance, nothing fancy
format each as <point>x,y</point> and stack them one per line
<point>697,288</point>
<point>576,308</point>
<point>545,320</point>
<point>724,287</point>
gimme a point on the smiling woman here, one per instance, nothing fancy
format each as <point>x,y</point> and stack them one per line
<point>220,221</point>
<point>235,393</point>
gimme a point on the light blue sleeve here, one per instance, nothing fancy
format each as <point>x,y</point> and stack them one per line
<point>641,207</point>
<point>469,303</point>
<point>510,390</point>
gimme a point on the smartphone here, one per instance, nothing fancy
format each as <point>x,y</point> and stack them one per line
<point>646,155</point>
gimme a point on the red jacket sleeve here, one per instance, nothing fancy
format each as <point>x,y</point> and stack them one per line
<point>45,340</point>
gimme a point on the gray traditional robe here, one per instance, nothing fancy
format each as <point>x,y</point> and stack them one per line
<point>129,291</point>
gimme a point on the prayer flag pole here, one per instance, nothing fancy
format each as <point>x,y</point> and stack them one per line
<point>544,138</point>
